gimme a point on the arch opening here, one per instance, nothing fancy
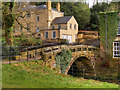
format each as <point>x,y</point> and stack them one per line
<point>81,67</point>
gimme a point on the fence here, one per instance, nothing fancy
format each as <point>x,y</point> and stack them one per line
<point>13,54</point>
<point>109,75</point>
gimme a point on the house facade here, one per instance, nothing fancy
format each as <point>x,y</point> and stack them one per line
<point>45,22</point>
<point>116,44</point>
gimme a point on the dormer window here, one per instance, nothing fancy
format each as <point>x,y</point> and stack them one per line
<point>75,26</point>
<point>28,14</point>
<point>37,18</point>
<point>70,25</point>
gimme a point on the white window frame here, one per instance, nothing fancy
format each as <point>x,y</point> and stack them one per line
<point>53,34</point>
<point>45,35</point>
<point>37,18</point>
<point>116,49</point>
<point>37,29</point>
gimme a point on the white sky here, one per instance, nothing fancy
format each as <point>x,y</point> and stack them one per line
<point>88,1</point>
<point>91,2</point>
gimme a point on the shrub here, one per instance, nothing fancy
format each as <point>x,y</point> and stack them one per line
<point>63,60</point>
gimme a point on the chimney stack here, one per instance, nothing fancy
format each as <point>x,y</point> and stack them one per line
<point>58,6</point>
<point>48,5</point>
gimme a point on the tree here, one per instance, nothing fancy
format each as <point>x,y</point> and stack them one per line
<point>79,10</point>
<point>9,18</point>
<point>94,17</point>
<point>114,6</point>
<point>8,21</point>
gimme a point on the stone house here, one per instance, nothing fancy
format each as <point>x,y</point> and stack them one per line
<point>116,44</point>
<point>46,22</point>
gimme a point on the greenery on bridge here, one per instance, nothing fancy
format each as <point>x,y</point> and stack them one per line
<point>36,75</point>
<point>63,60</point>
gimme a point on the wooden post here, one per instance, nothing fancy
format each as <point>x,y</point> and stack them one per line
<point>27,54</point>
<point>35,53</point>
<point>10,55</point>
<point>19,56</point>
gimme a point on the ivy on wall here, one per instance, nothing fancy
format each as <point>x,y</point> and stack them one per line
<point>63,60</point>
<point>112,24</point>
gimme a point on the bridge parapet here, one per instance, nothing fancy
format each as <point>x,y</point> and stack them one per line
<point>81,50</point>
<point>49,53</point>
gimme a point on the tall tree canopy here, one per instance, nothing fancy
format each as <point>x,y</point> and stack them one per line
<point>114,6</point>
<point>79,10</point>
<point>99,7</point>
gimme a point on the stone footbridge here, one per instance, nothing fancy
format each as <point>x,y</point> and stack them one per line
<point>48,54</point>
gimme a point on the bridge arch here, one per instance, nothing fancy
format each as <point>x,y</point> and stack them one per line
<point>77,51</point>
<point>84,59</point>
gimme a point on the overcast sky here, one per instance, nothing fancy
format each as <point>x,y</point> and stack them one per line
<point>91,2</point>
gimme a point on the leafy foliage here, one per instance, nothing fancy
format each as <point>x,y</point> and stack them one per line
<point>63,60</point>
<point>29,41</point>
<point>114,6</point>
<point>8,20</point>
<point>79,10</point>
<point>112,24</point>
<point>94,17</point>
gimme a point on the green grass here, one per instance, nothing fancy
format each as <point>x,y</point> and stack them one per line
<point>36,75</point>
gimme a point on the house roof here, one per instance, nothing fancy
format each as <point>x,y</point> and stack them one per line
<point>31,7</point>
<point>61,20</point>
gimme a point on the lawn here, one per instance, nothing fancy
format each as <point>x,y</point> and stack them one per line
<point>35,74</point>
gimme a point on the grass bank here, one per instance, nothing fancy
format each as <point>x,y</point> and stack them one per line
<point>35,74</point>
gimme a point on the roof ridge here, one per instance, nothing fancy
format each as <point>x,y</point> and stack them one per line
<point>59,20</point>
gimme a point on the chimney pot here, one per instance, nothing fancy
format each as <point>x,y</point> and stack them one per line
<point>48,5</point>
<point>58,6</point>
